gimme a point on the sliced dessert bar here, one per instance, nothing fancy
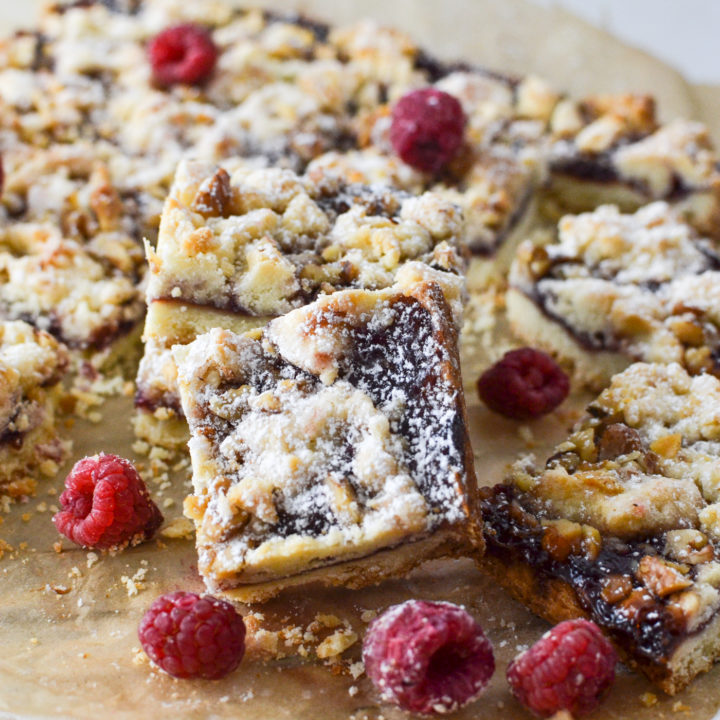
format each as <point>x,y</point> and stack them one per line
<point>332,446</point>
<point>236,251</point>
<point>32,364</point>
<point>611,149</point>
<point>622,524</point>
<point>617,288</point>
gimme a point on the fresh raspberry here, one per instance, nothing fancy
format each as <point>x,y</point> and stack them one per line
<point>182,54</point>
<point>525,384</point>
<point>191,636</point>
<point>427,128</point>
<point>428,657</point>
<point>569,668</point>
<point>106,505</point>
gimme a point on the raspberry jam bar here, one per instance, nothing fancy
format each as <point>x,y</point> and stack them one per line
<point>332,446</point>
<point>32,364</point>
<point>235,251</point>
<point>622,523</point>
<point>611,149</point>
<point>70,252</point>
<point>617,288</point>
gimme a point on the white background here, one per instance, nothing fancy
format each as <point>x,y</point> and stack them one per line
<point>683,33</point>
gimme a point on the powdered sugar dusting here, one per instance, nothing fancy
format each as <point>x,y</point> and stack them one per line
<point>295,471</point>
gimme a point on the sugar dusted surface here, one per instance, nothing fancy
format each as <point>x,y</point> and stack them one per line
<point>349,449</point>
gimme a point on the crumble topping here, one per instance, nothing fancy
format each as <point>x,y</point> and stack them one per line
<point>31,365</point>
<point>679,151</point>
<point>624,511</point>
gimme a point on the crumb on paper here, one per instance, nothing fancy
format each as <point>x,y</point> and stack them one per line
<point>168,502</point>
<point>57,589</point>
<point>141,447</point>
<point>92,559</point>
<point>356,669</point>
<point>648,699</point>
<point>264,642</point>
<point>134,584</point>
<point>328,621</point>
<point>74,572</point>
<point>179,528</point>
<point>139,657</point>
<point>336,644</point>
<point>49,468</point>
<point>353,690</point>
<point>25,517</point>
<point>679,707</point>
<point>57,547</point>
<point>368,615</point>
<point>34,641</point>
<point>5,547</point>
<point>525,433</point>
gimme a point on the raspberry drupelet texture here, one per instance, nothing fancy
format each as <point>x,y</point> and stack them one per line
<point>523,385</point>
<point>182,54</point>
<point>427,128</point>
<point>570,668</point>
<point>189,636</point>
<point>428,657</point>
<point>105,505</point>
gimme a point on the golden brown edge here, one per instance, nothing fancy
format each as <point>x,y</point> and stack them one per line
<point>555,600</point>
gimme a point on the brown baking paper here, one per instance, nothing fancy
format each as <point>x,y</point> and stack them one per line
<point>68,619</point>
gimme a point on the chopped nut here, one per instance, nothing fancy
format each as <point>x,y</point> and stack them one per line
<point>562,538</point>
<point>668,446</point>
<point>591,542</point>
<point>616,588</point>
<point>688,546</point>
<point>660,578</point>
<point>618,439</point>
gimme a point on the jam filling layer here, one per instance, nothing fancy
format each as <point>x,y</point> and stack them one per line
<point>603,578</point>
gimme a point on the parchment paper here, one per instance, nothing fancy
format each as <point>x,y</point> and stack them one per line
<point>68,620</point>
